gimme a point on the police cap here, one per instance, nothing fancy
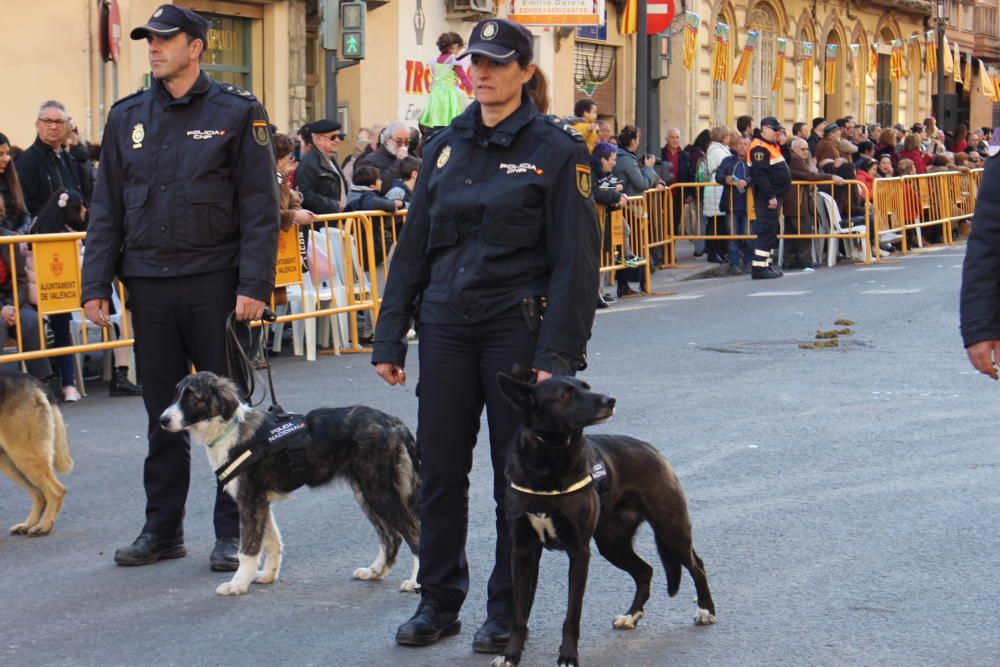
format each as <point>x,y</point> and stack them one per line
<point>500,40</point>
<point>168,20</point>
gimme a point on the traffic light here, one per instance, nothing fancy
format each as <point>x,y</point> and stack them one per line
<point>330,27</point>
<point>352,29</point>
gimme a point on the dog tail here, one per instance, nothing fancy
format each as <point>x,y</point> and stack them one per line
<point>671,565</point>
<point>63,461</point>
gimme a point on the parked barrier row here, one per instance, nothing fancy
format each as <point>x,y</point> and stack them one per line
<point>625,233</point>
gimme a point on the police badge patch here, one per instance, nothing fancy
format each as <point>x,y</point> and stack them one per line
<point>443,157</point>
<point>138,134</point>
<point>260,133</point>
<point>583,180</point>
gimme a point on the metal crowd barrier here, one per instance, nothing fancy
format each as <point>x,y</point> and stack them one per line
<point>915,203</point>
<point>684,205</point>
<point>631,224</point>
<point>58,263</point>
<point>336,281</point>
<point>845,198</point>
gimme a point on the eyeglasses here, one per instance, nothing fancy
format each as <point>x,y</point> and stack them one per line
<point>331,137</point>
<point>51,121</point>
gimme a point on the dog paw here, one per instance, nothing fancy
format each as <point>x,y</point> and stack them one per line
<point>501,661</point>
<point>704,617</point>
<point>19,529</point>
<point>39,529</point>
<point>231,588</point>
<point>627,621</point>
<point>265,577</point>
<point>410,586</point>
<point>368,574</point>
<point>568,662</point>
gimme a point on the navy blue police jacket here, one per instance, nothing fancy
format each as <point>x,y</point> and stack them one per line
<point>498,217</point>
<point>186,186</point>
<point>769,172</point>
<point>980,296</point>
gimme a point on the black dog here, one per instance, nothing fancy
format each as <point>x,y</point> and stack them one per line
<point>371,450</point>
<point>553,502</point>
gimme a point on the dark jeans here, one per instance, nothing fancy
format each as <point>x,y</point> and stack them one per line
<point>65,364</point>
<point>178,321</point>
<point>740,250</point>
<point>40,368</point>
<point>765,226</point>
<point>458,375</point>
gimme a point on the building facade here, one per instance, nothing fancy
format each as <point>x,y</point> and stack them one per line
<point>975,28</point>
<point>273,47</point>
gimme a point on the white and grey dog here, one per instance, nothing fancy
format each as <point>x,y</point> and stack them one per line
<point>371,450</point>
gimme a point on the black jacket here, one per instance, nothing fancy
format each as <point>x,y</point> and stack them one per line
<point>321,183</point>
<point>43,171</point>
<point>768,171</point>
<point>185,187</point>
<point>386,163</point>
<point>498,217</point>
<point>980,297</point>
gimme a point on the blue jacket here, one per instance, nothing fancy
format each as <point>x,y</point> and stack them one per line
<point>733,166</point>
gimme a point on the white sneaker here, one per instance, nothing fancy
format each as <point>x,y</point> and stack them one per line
<point>70,394</point>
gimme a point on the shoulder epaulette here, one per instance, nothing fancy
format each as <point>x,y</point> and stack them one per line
<point>238,92</point>
<point>565,127</point>
<point>128,97</point>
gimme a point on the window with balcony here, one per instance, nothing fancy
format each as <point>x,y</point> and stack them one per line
<point>762,66</point>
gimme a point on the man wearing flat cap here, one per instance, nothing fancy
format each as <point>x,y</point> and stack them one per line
<point>319,178</point>
<point>185,213</point>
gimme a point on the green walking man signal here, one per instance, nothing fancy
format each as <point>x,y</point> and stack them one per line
<point>352,29</point>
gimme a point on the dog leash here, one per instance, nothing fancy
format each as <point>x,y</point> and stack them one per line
<point>244,372</point>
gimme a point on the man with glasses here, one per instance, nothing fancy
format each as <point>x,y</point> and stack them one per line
<point>394,142</point>
<point>320,180</point>
<point>46,166</point>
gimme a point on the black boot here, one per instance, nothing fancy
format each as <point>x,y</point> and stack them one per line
<point>149,548</point>
<point>120,385</point>
<point>226,555</point>
<point>764,273</point>
<point>493,636</point>
<point>428,625</point>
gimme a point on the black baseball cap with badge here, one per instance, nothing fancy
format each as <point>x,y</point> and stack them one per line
<point>500,40</point>
<point>169,20</point>
<point>772,123</point>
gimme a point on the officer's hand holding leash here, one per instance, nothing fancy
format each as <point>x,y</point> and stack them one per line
<point>984,356</point>
<point>247,308</point>
<point>97,311</point>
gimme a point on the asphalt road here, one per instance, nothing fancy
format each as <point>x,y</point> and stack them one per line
<point>844,501</point>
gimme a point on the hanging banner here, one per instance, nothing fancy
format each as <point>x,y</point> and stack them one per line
<point>947,61</point>
<point>872,61</point>
<point>830,69</point>
<point>986,86</point>
<point>691,24</point>
<point>740,76</point>
<point>896,60</point>
<point>855,50</point>
<point>967,74</point>
<point>720,53</point>
<point>779,65</point>
<point>957,58</point>
<point>807,66</point>
<point>930,53</point>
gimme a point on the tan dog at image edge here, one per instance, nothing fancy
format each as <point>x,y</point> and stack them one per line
<point>33,447</point>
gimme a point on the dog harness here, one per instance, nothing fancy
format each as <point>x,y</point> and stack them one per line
<point>280,435</point>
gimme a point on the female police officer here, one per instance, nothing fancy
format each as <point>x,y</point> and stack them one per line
<point>502,228</point>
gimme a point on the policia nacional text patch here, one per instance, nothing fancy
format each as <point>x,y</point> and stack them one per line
<point>260,132</point>
<point>583,180</point>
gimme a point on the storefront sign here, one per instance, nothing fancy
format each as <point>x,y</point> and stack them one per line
<point>57,269</point>
<point>556,12</point>
<point>288,269</point>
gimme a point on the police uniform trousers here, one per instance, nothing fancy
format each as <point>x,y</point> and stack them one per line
<point>178,322</point>
<point>458,375</point>
<point>766,228</point>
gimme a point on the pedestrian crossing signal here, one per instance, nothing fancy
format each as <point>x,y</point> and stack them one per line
<point>352,30</point>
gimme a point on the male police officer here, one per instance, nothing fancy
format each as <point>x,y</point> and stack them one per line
<point>185,212</point>
<point>980,300</point>
<point>771,178</point>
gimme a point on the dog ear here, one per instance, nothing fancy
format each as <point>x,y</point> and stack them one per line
<point>517,392</point>
<point>524,374</point>
<point>560,366</point>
